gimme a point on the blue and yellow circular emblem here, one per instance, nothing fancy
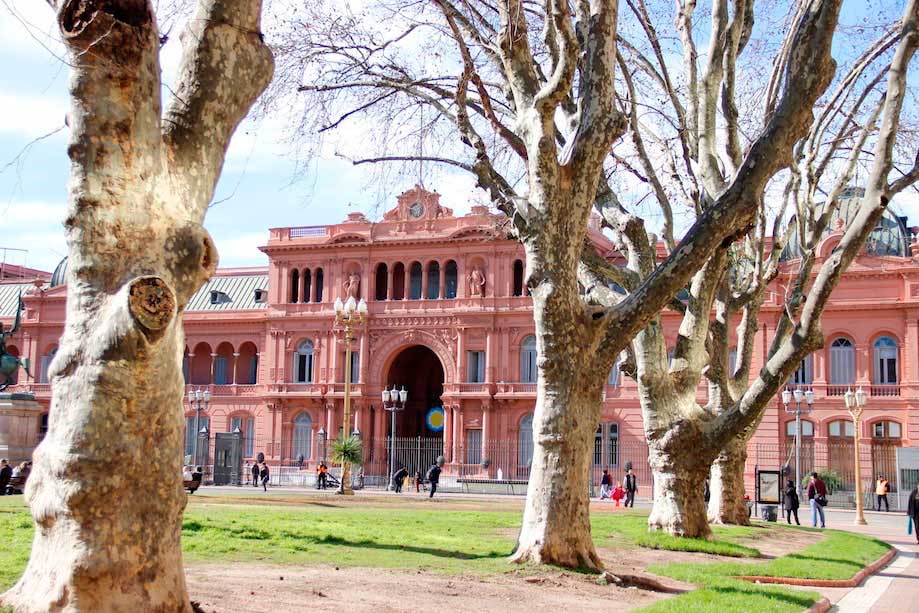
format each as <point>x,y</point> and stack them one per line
<point>435,419</point>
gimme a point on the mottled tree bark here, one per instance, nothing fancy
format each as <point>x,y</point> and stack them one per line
<point>106,488</point>
<point>727,505</point>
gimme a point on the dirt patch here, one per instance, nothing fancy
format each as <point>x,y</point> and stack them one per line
<point>271,589</point>
<point>774,543</point>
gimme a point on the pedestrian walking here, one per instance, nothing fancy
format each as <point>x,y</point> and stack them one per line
<point>6,473</point>
<point>265,474</point>
<point>816,495</point>
<point>255,473</point>
<point>606,485</point>
<point>791,502</point>
<point>881,488</point>
<point>419,482</point>
<point>707,491</point>
<point>912,510</point>
<point>397,479</point>
<point>434,475</point>
<point>630,485</point>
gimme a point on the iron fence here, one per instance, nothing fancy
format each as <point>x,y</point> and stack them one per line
<point>506,464</point>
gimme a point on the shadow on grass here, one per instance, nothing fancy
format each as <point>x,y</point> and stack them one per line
<point>369,544</point>
<point>250,533</point>
<point>802,601</point>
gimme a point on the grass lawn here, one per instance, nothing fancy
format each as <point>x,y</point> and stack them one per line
<point>839,556</point>
<point>453,539</point>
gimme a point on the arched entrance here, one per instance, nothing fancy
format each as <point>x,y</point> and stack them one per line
<point>420,371</point>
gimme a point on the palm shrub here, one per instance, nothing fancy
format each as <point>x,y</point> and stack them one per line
<point>347,450</point>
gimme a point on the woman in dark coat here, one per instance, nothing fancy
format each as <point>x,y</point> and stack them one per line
<point>791,502</point>
<point>912,509</point>
<point>265,475</point>
<point>255,474</point>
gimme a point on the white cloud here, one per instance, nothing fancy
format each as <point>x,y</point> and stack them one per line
<point>31,115</point>
<point>241,249</point>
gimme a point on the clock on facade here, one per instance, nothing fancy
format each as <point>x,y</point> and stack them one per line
<point>416,210</point>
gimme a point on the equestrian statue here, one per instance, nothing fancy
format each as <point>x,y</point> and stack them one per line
<point>9,364</point>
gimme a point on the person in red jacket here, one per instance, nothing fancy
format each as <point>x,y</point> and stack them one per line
<point>816,494</point>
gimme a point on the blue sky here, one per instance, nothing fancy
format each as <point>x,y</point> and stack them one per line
<point>260,187</point>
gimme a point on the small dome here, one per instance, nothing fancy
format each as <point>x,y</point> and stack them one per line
<point>59,277</point>
<point>889,238</point>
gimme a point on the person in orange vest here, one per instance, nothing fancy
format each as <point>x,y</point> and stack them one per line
<point>881,487</point>
<point>322,481</point>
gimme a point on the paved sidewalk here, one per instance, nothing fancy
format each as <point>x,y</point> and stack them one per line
<point>894,588</point>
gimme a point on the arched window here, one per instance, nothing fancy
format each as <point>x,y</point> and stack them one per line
<point>518,277</point>
<point>303,426</point>
<point>414,281</point>
<point>612,444</point>
<point>307,284</point>
<point>525,445</point>
<point>303,363</point>
<point>528,360</point>
<point>294,285</point>
<point>398,281</point>
<point>805,373</point>
<point>807,428</point>
<point>885,361</point>
<point>842,428</point>
<point>382,281</point>
<point>433,281</point>
<point>842,362</point>
<point>885,429</point>
<point>450,280</point>
<point>319,281</point>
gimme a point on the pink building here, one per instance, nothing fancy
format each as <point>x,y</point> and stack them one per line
<point>449,319</point>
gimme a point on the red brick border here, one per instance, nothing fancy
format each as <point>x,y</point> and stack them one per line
<point>853,582</point>
<point>821,606</point>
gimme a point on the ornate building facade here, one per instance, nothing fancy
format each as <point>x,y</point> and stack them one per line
<point>450,321</point>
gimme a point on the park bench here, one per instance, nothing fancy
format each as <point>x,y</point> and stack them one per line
<point>510,483</point>
<point>16,485</point>
<point>191,486</point>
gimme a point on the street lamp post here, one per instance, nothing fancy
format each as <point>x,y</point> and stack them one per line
<point>198,400</point>
<point>393,400</point>
<point>798,396</point>
<point>348,315</point>
<point>855,403</point>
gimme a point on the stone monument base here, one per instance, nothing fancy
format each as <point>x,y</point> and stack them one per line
<point>20,421</point>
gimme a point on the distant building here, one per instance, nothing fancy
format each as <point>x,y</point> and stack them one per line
<point>450,320</point>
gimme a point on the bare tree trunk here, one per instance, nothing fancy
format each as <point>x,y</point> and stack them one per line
<point>556,519</point>
<point>727,505</point>
<point>679,484</point>
<point>106,489</point>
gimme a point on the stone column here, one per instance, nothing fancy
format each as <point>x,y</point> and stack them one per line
<point>407,282</point>
<point>457,411</point>
<point>213,362</point>
<point>486,428</point>
<point>911,350</point>
<point>390,279</point>
<point>448,433</point>
<point>489,360</point>
<point>460,358</point>
<point>235,360</point>
<point>362,352</point>
<point>424,281</point>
